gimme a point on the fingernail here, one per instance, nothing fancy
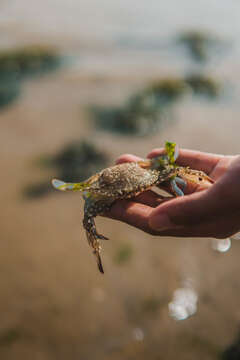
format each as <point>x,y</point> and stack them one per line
<point>160,222</point>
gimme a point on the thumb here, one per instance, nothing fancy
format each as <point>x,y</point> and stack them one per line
<point>187,210</point>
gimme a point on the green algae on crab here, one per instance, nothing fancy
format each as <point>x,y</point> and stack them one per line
<point>171,149</point>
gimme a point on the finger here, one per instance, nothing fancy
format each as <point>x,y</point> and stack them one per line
<point>221,228</point>
<point>195,159</point>
<point>137,215</point>
<point>127,158</point>
<point>222,166</point>
<point>150,198</point>
<point>132,213</point>
<point>205,206</point>
<point>188,210</point>
<point>156,152</point>
<point>198,160</point>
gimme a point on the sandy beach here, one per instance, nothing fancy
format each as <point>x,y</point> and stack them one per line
<point>54,304</point>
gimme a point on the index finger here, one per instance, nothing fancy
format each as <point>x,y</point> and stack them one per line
<point>132,213</point>
<point>197,160</point>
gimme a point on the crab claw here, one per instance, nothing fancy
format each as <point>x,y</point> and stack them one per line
<point>175,189</point>
<point>58,184</point>
<point>63,186</point>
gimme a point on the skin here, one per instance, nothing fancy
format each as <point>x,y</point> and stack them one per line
<point>203,212</point>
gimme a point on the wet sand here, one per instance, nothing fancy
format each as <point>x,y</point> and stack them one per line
<point>54,303</point>
<point>51,292</point>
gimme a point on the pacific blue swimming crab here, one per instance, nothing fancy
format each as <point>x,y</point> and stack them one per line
<point>126,181</point>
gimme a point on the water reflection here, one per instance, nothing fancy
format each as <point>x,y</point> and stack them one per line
<point>184,303</point>
<point>221,245</point>
<point>138,334</point>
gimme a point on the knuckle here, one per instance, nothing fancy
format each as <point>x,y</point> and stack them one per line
<point>155,152</point>
<point>122,158</point>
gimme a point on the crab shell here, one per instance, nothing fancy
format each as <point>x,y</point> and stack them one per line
<point>126,180</point>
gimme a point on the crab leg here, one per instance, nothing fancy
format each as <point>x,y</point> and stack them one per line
<point>90,226</point>
<point>63,186</point>
<point>175,189</point>
<point>93,239</point>
<point>91,210</point>
<point>181,182</point>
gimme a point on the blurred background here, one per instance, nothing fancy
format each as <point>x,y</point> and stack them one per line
<point>81,83</point>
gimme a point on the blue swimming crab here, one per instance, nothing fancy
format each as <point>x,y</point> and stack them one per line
<point>125,181</point>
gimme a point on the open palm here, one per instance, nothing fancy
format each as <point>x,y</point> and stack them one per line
<point>205,211</point>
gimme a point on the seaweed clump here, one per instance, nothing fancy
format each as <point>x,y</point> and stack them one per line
<point>167,90</point>
<point>37,190</point>
<point>30,60</point>
<point>198,43</point>
<point>78,161</point>
<point>9,91</point>
<point>17,64</point>
<point>143,113</point>
<point>75,162</point>
<point>203,85</point>
<point>124,254</point>
<point>138,117</point>
<point>9,337</point>
<point>151,304</point>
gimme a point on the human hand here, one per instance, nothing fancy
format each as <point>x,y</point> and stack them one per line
<point>209,212</point>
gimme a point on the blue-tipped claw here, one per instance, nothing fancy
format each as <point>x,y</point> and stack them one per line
<point>181,182</point>
<point>61,185</point>
<point>176,190</point>
<point>58,184</point>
